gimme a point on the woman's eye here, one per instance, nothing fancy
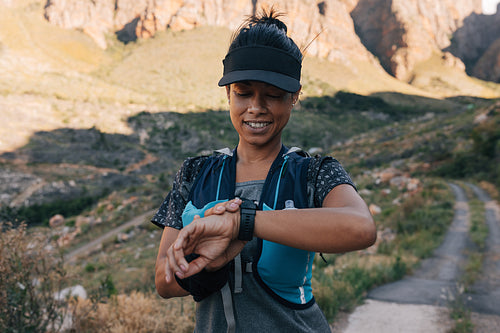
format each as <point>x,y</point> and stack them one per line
<point>242,93</point>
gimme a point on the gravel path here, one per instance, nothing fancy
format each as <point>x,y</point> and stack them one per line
<point>418,303</point>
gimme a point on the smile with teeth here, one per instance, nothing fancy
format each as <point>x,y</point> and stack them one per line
<point>257,124</point>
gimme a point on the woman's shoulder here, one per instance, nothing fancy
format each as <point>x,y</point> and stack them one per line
<point>192,165</point>
<point>320,163</point>
<point>324,173</point>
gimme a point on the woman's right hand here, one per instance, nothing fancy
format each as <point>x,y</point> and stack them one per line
<point>235,246</point>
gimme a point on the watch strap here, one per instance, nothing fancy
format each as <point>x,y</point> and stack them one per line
<point>247,220</point>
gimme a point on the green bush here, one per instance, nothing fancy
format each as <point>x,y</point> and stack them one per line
<point>39,214</point>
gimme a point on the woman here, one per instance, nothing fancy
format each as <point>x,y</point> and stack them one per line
<point>241,227</point>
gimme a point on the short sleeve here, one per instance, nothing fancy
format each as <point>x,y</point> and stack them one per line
<point>170,212</point>
<point>324,174</point>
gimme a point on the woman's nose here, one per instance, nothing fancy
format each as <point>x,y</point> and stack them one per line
<point>257,104</point>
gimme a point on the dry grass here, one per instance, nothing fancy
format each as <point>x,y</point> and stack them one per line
<point>432,75</point>
<point>136,312</point>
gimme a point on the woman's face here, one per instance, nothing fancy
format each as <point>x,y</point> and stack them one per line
<point>259,111</point>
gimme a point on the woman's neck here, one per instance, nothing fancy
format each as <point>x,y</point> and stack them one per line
<point>251,154</point>
<point>254,162</point>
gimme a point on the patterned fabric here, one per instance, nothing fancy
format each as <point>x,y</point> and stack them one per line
<point>329,173</point>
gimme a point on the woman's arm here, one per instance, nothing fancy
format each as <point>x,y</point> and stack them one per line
<point>171,288</point>
<point>343,224</point>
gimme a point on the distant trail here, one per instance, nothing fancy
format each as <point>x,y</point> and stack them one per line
<point>98,241</point>
<point>437,275</point>
<point>418,303</point>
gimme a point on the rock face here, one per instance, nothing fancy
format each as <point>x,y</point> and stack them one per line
<point>477,43</point>
<point>400,33</point>
<point>403,32</point>
<point>488,66</point>
<point>131,19</point>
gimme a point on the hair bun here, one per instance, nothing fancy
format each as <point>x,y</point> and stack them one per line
<point>269,18</point>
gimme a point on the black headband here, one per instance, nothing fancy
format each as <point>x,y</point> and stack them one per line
<point>262,63</point>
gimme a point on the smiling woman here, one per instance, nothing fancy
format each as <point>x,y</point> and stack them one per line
<point>241,227</point>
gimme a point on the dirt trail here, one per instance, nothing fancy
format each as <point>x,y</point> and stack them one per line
<point>418,303</point>
<point>96,243</point>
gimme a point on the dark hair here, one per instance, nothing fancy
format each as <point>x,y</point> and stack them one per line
<point>265,29</point>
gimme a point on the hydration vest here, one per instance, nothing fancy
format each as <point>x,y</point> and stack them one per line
<point>284,272</point>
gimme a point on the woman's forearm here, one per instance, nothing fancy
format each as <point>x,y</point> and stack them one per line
<point>343,224</point>
<point>329,230</point>
<point>166,289</point>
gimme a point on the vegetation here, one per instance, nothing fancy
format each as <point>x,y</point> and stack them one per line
<point>31,273</point>
<point>472,269</point>
<point>480,160</point>
<point>39,214</point>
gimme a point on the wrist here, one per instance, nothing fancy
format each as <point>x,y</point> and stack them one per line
<point>247,220</point>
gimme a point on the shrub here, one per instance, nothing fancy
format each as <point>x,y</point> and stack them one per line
<point>31,273</point>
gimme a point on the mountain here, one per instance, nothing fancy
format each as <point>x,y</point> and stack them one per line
<point>83,64</point>
<point>400,33</point>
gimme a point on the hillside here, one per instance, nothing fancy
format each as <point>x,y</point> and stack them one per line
<point>91,136</point>
<point>57,77</point>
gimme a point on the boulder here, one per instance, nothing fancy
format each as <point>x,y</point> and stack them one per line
<point>374,209</point>
<point>74,291</point>
<point>56,221</point>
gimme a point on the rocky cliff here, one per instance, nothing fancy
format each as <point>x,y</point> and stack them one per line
<point>403,32</point>
<point>400,33</point>
<point>143,18</point>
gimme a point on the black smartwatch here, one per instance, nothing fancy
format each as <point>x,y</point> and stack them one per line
<point>247,220</point>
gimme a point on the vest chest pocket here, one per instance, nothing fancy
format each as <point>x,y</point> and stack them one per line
<point>190,211</point>
<point>286,270</point>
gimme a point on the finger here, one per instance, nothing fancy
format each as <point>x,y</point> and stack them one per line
<point>168,272</point>
<point>181,262</point>
<point>216,210</point>
<point>172,264</point>
<point>233,205</point>
<point>196,266</point>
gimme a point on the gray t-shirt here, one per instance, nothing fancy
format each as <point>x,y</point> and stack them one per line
<point>254,309</point>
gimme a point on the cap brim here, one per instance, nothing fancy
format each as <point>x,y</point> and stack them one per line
<point>281,81</point>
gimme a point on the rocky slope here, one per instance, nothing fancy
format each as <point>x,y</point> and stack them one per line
<point>400,33</point>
